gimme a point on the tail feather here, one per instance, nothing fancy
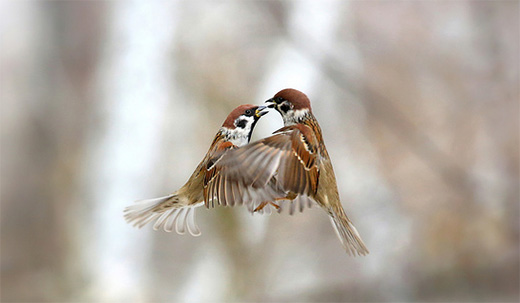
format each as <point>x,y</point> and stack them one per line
<point>167,213</point>
<point>347,233</point>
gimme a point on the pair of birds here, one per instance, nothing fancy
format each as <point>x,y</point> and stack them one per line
<point>291,165</point>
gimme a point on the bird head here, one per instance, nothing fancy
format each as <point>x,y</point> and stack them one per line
<point>292,104</point>
<point>241,121</point>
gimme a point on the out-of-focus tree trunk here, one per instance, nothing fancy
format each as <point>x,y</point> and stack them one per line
<point>43,132</point>
<point>104,103</point>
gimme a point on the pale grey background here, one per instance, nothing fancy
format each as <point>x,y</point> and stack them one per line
<point>104,103</point>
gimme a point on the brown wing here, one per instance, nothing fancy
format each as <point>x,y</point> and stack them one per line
<point>215,188</point>
<point>298,172</point>
<point>219,189</point>
<point>291,154</point>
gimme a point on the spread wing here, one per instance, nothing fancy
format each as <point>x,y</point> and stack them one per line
<point>214,187</point>
<point>289,156</point>
<point>219,189</point>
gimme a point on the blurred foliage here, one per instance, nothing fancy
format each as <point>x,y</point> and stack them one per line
<point>109,102</point>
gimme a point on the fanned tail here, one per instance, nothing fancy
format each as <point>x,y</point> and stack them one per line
<point>347,233</point>
<point>167,213</point>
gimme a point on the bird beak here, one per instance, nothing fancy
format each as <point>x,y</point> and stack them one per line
<point>271,102</point>
<point>260,111</point>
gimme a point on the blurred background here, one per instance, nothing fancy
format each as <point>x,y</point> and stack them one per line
<point>108,102</point>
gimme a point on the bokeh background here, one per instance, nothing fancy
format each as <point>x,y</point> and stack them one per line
<point>108,102</point>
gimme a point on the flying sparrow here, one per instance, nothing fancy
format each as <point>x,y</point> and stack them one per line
<point>296,163</point>
<point>205,186</point>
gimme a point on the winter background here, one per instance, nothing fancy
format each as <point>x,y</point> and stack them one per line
<point>108,102</point>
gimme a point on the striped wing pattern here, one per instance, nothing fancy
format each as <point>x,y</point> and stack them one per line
<point>278,166</point>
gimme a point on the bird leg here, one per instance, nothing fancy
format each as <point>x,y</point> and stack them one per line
<point>290,196</point>
<point>263,204</point>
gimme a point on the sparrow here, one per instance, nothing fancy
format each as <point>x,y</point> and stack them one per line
<point>205,186</point>
<point>293,164</point>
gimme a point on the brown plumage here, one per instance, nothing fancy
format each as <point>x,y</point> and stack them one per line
<point>294,164</point>
<point>205,186</point>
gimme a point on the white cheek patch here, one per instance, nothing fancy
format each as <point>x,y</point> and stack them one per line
<point>240,136</point>
<point>246,122</point>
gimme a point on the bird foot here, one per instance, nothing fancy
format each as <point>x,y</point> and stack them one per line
<point>264,204</point>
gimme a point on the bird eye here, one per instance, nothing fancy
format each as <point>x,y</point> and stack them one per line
<point>279,99</point>
<point>249,112</point>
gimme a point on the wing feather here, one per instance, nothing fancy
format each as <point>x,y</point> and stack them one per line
<point>269,169</point>
<point>274,167</point>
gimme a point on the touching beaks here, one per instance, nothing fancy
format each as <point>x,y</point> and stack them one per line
<point>260,111</point>
<point>271,102</point>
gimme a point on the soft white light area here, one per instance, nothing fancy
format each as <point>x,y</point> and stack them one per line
<point>201,285</point>
<point>135,92</point>
<point>289,69</point>
<point>292,66</point>
<point>315,21</point>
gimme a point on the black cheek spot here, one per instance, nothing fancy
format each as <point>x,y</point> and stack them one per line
<point>241,123</point>
<point>285,108</point>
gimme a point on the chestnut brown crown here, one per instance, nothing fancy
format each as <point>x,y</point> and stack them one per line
<point>298,99</point>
